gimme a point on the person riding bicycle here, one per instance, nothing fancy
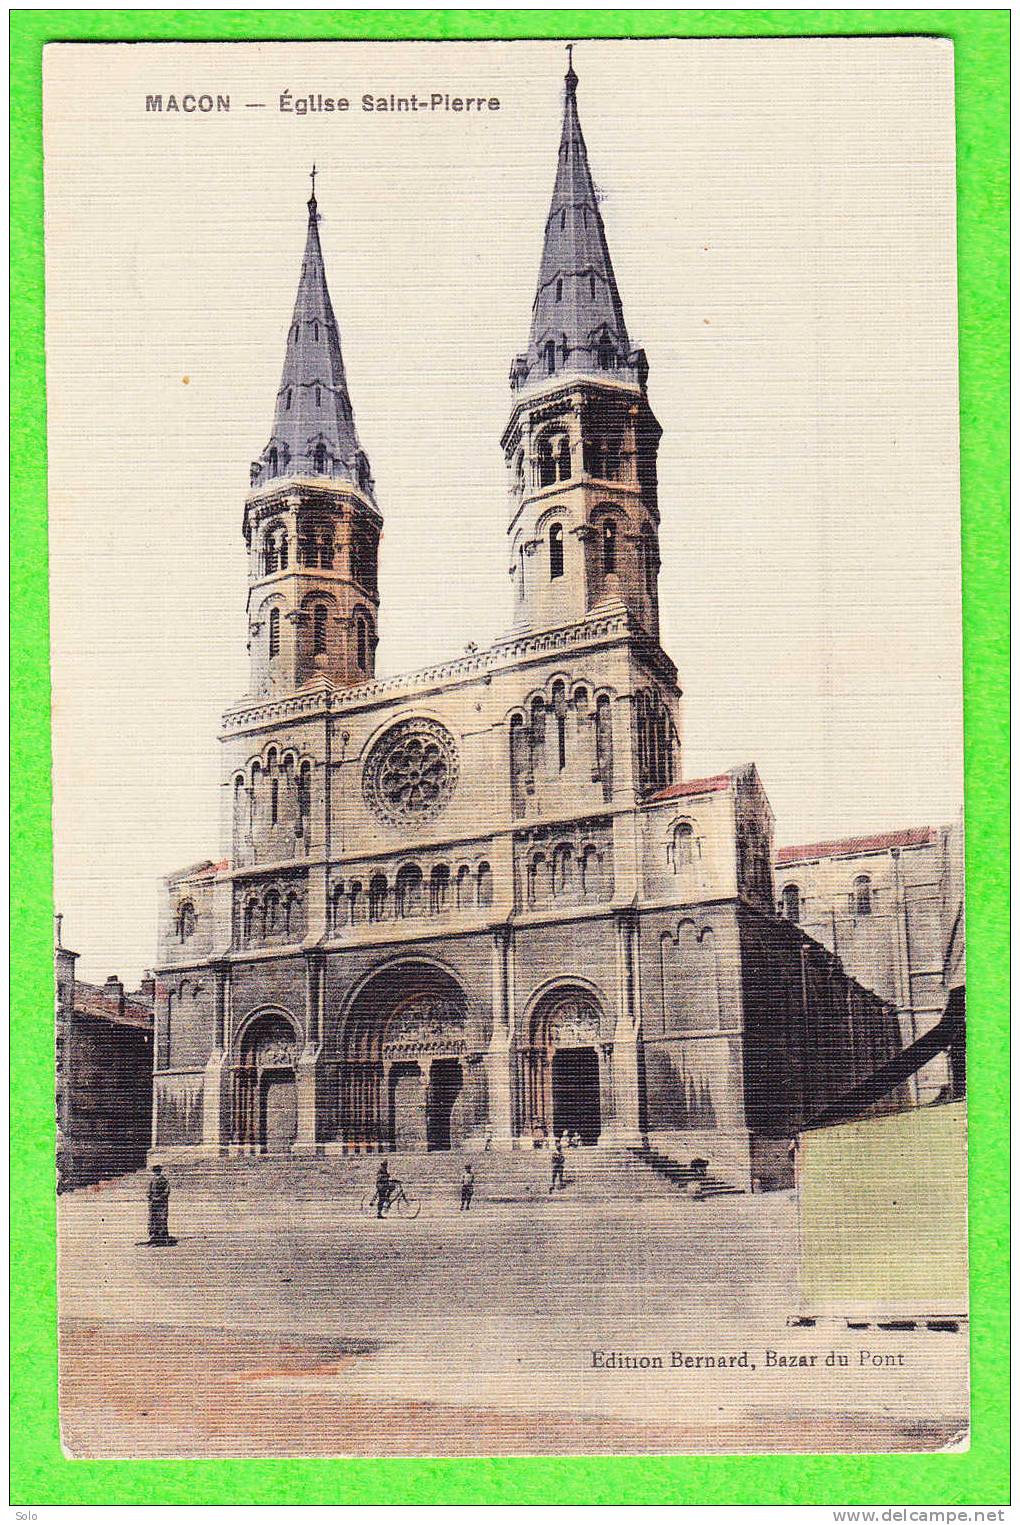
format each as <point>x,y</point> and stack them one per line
<point>385,1188</point>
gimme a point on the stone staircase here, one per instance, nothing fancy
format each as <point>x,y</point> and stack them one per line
<point>682,1176</point>
<point>601,1173</point>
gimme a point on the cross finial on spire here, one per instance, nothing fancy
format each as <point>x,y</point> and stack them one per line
<point>312,176</point>
<point>571,76</point>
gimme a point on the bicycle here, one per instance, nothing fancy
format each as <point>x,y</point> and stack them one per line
<point>407,1207</point>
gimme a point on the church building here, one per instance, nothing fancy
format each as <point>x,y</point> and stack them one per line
<point>481,903</point>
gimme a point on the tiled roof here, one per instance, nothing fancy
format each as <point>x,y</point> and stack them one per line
<point>204,870</point>
<point>847,847</point>
<point>711,785</point>
<point>211,869</point>
<point>90,1001</point>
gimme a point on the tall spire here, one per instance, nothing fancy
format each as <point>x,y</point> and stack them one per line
<point>577,323</point>
<point>314,433</point>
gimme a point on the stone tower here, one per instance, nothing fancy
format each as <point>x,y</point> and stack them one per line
<point>311,523</point>
<point>582,440</point>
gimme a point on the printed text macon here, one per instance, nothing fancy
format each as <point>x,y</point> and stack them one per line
<point>208,103</point>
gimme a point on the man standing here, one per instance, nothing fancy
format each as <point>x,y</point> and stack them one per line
<point>559,1159</point>
<point>383,1189</point>
<point>159,1208</point>
<point>467,1188</point>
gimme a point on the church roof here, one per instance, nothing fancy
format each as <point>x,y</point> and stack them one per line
<point>314,433</point>
<point>848,847</point>
<point>577,307</point>
<point>691,786</point>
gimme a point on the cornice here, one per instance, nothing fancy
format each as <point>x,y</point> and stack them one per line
<point>616,625</point>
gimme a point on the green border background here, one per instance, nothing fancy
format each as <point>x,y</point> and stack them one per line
<point>40,1473</point>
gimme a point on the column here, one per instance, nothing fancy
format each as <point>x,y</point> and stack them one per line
<point>497,1060</point>
<point>217,1103</point>
<point>626,1126</point>
<point>305,1069</point>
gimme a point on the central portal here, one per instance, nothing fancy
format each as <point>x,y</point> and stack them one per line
<point>575,1093</point>
<point>402,1078</point>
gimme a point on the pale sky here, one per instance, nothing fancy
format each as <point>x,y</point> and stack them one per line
<point>782,221</point>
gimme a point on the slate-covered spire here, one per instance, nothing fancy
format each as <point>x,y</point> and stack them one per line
<point>577,323</point>
<point>314,433</point>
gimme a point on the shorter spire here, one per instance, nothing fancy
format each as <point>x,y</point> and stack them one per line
<point>313,428</point>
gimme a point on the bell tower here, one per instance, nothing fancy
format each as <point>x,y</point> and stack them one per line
<point>311,524</point>
<point>582,439</point>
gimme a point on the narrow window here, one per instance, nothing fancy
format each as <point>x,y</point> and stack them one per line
<point>648,545</point>
<point>274,803</point>
<point>284,553</point>
<point>563,870</point>
<point>362,644</point>
<point>377,892</point>
<point>318,397</point>
<point>604,745</point>
<point>320,460</point>
<point>319,629</point>
<point>550,357</point>
<point>289,395</point>
<point>537,735</point>
<point>563,218</point>
<point>591,279</point>
<point>607,358</point>
<point>270,555</point>
<point>862,895</point>
<point>272,461</point>
<point>791,902</point>
<point>559,291</point>
<point>439,890</point>
<point>274,633</point>
<point>555,553</point>
<point>315,332</point>
<point>683,845</point>
<point>546,464</point>
<point>563,460</point>
<point>304,797</point>
<point>609,547</point>
<point>484,884</point>
<point>559,703</point>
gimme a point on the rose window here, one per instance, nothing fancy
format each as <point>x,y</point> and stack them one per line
<point>411,772</point>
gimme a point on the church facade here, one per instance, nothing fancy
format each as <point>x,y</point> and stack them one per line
<point>481,902</point>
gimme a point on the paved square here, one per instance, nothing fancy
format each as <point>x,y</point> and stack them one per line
<point>290,1324</point>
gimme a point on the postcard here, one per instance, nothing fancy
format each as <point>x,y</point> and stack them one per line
<point>506,626</point>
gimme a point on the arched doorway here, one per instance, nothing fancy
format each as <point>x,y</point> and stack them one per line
<point>558,1075</point>
<point>575,1093</point>
<point>402,1056</point>
<point>265,1089</point>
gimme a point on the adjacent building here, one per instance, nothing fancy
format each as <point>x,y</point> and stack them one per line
<point>103,1074</point>
<point>878,903</point>
<point>482,902</point>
